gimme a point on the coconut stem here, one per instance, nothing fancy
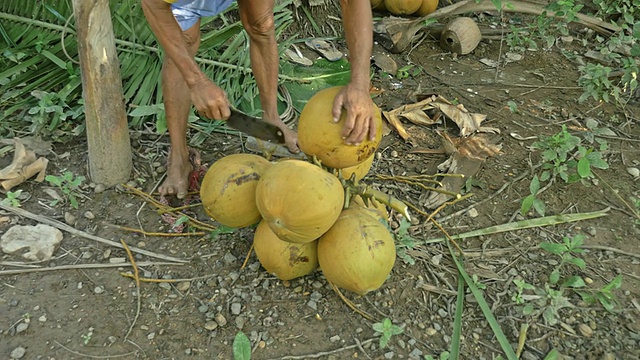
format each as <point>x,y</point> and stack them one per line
<point>390,201</point>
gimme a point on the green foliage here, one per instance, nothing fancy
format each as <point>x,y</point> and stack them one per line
<point>221,229</point>
<point>12,199</point>
<point>569,247</point>
<point>404,242</point>
<point>603,295</point>
<point>386,329</point>
<point>241,347</point>
<point>532,200</point>
<point>69,185</point>
<point>443,356</point>
<point>408,71</point>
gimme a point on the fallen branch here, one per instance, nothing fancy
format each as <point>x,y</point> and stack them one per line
<point>78,266</point>
<point>74,231</point>
<point>136,276</point>
<point>526,224</point>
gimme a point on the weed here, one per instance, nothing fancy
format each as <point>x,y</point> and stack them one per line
<point>513,107</point>
<point>443,356</point>
<point>603,295</point>
<point>69,185</point>
<point>404,242</point>
<point>87,337</point>
<point>532,200</point>
<point>408,71</point>
<point>477,283</point>
<point>12,199</point>
<point>521,286</point>
<point>386,329</point>
<point>221,229</point>
<point>53,117</point>
<point>569,247</point>
<point>241,347</point>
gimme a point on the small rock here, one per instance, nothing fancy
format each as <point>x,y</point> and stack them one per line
<point>42,318</point>
<point>220,319</point>
<point>18,352</point>
<point>183,285</point>
<point>633,171</point>
<point>165,285</point>
<point>99,188</point>
<point>442,313</point>
<point>240,320</point>
<point>430,331</point>
<point>40,240</point>
<point>394,154</point>
<point>528,355</point>
<point>585,330</point>
<point>203,308</point>
<point>334,338</point>
<point>69,218</point>
<point>117,260</point>
<point>235,308</point>
<point>22,327</point>
<point>389,355</point>
<point>151,336</point>
<point>98,290</point>
<point>89,215</point>
<point>513,56</point>
<point>229,258</point>
<point>567,39</point>
<point>415,354</point>
<point>211,325</point>
<point>473,212</point>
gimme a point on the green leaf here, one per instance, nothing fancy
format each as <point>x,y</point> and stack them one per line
<point>614,284</point>
<point>457,320</point>
<point>578,262</point>
<point>384,340</point>
<point>378,327</point>
<point>552,355</point>
<point>554,277</point>
<point>241,347</point>
<point>539,206</point>
<point>53,180</point>
<point>527,310</point>
<point>534,187</point>
<point>584,167</point>
<point>527,202</point>
<point>147,110</point>
<point>574,282</point>
<point>553,248</point>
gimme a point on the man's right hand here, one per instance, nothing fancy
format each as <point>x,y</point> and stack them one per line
<point>210,100</point>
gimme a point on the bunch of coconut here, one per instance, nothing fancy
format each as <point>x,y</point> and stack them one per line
<point>300,206</point>
<point>405,7</point>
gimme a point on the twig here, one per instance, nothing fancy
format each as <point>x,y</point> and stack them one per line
<point>607,248</point>
<point>246,259</point>
<point>94,356</point>
<point>161,234</point>
<point>136,276</point>
<point>349,303</point>
<point>74,231</point>
<point>80,266</point>
<point>324,353</point>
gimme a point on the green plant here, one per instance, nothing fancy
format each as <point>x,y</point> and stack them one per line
<point>53,117</point>
<point>12,199</point>
<point>408,71</point>
<point>603,295</point>
<point>69,185</point>
<point>386,329</point>
<point>221,229</point>
<point>477,283</point>
<point>241,347</point>
<point>404,241</point>
<point>443,356</point>
<point>532,200</point>
<point>521,286</point>
<point>87,337</point>
<point>569,247</point>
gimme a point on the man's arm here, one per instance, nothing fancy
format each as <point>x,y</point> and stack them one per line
<point>355,98</point>
<point>207,97</point>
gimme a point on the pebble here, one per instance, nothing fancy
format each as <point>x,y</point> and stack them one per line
<point>18,352</point>
<point>437,326</point>
<point>203,309</point>
<point>235,308</point>
<point>89,215</point>
<point>442,313</point>
<point>229,258</point>
<point>389,355</point>
<point>416,354</point>
<point>335,338</point>
<point>21,327</point>
<point>394,154</point>
<point>473,212</point>
<point>585,330</point>
<point>69,218</point>
<point>183,285</point>
<point>240,322</point>
<point>211,325</point>
<point>117,260</point>
<point>221,320</point>
<point>151,336</point>
<point>165,285</point>
<point>633,171</point>
<point>99,188</point>
<point>431,331</point>
<point>42,318</point>
<point>98,290</point>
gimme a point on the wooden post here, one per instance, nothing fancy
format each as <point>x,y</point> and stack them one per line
<point>107,130</point>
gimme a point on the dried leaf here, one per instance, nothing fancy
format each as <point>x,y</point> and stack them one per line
<point>418,117</point>
<point>396,124</point>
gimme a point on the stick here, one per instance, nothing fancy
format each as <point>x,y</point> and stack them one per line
<point>136,276</point>
<point>324,353</point>
<point>74,231</point>
<point>79,266</point>
<point>94,356</point>
<point>607,248</point>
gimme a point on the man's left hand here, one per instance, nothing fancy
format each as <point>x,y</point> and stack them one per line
<point>359,122</point>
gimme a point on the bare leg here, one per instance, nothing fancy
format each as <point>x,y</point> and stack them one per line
<point>177,103</point>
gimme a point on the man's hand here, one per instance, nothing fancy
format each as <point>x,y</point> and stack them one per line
<point>359,123</point>
<point>210,100</point>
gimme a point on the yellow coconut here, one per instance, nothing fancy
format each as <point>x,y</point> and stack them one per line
<point>300,201</point>
<point>427,7</point>
<point>228,190</point>
<point>361,170</point>
<point>358,252</point>
<point>402,7</point>
<point>319,135</point>
<point>375,3</point>
<point>284,259</point>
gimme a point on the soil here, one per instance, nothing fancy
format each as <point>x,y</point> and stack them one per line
<point>96,313</point>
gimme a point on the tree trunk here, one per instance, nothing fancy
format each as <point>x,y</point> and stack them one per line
<point>107,130</point>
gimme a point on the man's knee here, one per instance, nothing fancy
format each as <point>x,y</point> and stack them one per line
<point>261,25</point>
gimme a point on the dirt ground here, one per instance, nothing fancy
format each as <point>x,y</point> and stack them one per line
<point>88,312</point>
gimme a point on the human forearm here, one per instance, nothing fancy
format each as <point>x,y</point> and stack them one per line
<point>358,26</point>
<point>169,35</point>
